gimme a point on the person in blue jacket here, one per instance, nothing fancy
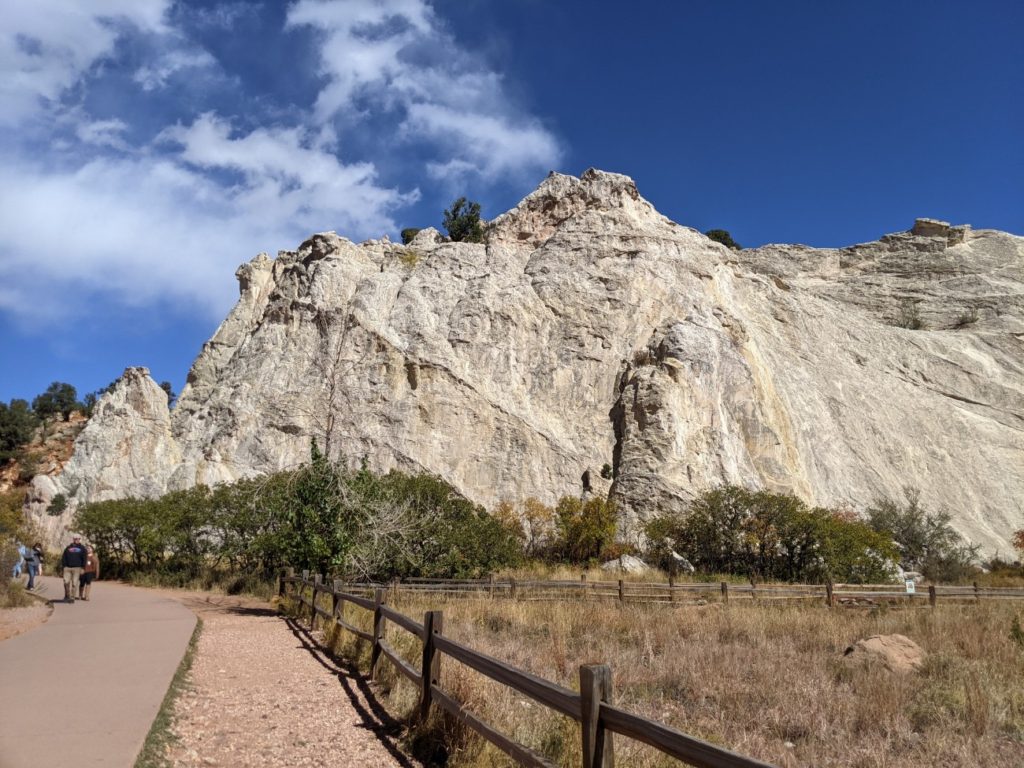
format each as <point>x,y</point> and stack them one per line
<point>73,562</point>
<point>20,565</point>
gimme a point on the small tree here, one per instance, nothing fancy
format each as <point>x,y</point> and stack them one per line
<point>722,236</point>
<point>17,422</point>
<point>926,541</point>
<point>169,391</point>
<point>60,397</point>
<point>408,234</point>
<point>462,222</point>
<point>584,529</point>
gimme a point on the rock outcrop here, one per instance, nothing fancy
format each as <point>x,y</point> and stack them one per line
<point>126,449</point>
<point>590,329</point>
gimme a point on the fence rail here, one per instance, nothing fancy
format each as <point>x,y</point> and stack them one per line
<point>672,591</point>
<point>592,707</point>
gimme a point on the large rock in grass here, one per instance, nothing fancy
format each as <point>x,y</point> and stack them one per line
<point>897,653</point>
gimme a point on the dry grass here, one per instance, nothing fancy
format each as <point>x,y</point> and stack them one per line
<point>765,681</point>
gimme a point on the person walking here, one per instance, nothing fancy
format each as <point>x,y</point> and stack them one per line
<point>40,556</point>
<point>90,572</point>
<point>73,562</point>
<point>32,566</point>
<point>19,566</point>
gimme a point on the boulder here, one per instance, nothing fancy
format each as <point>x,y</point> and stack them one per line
<point>897,653</point>
<point>626,564</point>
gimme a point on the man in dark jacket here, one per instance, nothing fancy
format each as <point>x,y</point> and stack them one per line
<point>73,561</point>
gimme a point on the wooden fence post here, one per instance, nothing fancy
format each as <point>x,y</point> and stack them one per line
<point>583,585</point>
<point>433,624</point>
<point>378,629</point>
<point>622,592</point>
<point>490,586</point>
<point>289,587</point>
<point>280,583</point>
<point>830,598</point>
<point>977,597</point>
<point>302,587</point>
<point>512,587</point>
<point>595,687</point>
<point>753,590</point>
<point>931,595</point>
<point>335,597</point>
<point>725,592</point>
<point>671,587</point>
<point>317,579</point>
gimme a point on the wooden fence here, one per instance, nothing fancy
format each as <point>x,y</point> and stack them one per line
<point>592,707</point>
<point>674,591</point>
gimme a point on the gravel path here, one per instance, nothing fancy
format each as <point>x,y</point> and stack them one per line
<point>260,692</point>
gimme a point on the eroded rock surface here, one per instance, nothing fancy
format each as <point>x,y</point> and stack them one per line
<point>591,330</point>
<point>126,449</point>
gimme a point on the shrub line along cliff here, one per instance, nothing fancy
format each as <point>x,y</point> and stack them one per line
<point>590,329</point>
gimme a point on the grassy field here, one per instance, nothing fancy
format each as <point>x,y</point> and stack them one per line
<point>765,681</point>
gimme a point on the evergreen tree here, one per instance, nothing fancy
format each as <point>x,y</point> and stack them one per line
<point>462,222</point>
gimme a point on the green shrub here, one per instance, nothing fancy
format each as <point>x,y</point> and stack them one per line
<point>462,222</point>
<point>57,504</point>
<point>770,536</point>
<point>59,398</point>
<point>909,316</point>
<point>323,517</point>
<point>408,234</point>
<point>17,423</point>
<point>966,318</point>
<point>926,541</point>
<point>722,236</point>
<point>584,530</point>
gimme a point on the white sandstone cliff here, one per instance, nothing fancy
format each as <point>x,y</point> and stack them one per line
<point>590,330</point>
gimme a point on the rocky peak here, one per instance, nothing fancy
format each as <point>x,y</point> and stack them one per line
<point>559,198</point>
<point>941,229</point>
<point>125,449</point>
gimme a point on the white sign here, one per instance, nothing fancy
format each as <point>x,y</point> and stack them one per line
<point>910,587</point>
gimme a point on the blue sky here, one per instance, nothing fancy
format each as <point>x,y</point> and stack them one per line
<point>148,147</point>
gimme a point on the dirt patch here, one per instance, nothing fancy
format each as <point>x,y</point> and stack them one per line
<point>15,621</point>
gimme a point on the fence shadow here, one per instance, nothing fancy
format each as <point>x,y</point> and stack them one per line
<point>374,717</point>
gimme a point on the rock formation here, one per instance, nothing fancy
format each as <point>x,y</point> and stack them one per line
<point>590,329</point>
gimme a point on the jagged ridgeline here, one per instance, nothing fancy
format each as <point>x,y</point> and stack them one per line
<point>589,330</point>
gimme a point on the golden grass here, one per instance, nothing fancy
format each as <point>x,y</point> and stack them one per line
<point>766,681</point>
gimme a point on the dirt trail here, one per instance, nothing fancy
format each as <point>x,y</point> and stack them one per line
<point>259,692</point>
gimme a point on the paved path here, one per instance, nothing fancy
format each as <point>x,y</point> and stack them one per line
<point>83,688</point>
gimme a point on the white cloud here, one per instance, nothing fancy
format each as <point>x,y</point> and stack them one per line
<point>222,16</point>
<point>102,133</point>
<point>88,208</point>
<point>388,50</point>
<point>156,75</point>
<point>148,227</point>
<point>482,143</point>
<point>47,45</point>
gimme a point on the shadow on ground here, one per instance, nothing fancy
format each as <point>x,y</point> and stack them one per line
<point>375,718</point>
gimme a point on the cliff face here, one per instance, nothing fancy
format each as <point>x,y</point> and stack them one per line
<point>590,330</point>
